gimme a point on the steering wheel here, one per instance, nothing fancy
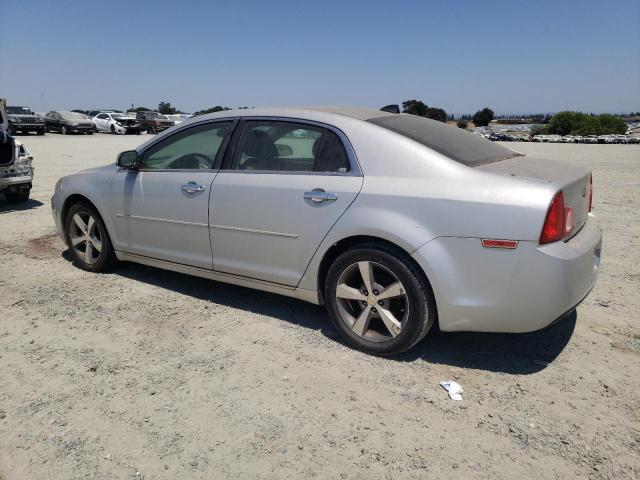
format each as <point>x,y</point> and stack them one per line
<point>191,161</point>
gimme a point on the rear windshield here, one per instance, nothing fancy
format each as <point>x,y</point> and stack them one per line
<point>455,143</point>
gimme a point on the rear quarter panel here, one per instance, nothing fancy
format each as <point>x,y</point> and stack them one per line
<point>412,195</point>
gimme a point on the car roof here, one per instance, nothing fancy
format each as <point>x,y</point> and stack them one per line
<point>311,113</point>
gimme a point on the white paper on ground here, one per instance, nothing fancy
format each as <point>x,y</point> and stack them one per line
<point>454,389</point>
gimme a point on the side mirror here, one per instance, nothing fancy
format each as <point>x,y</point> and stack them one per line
<point>128,159</point>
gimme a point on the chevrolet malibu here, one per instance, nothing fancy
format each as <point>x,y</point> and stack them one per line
<point>393,221</point>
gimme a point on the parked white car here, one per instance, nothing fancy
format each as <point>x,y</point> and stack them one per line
<point>393,221</point>
<point>178,118</point>
<point>116,123</point>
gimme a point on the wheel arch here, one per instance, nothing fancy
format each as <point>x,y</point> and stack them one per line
<point>341,246</point>
<point>76,198</point>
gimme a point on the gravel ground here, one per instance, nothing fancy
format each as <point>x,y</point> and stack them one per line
<point>141,373</point>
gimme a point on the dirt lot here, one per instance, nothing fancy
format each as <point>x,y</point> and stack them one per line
<point>144,373</point>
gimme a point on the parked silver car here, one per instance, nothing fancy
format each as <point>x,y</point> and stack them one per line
<point>394,222</point>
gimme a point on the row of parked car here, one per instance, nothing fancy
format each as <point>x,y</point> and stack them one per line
<point>603,139</point>
<point>498,136</point>
<point>23,120</point>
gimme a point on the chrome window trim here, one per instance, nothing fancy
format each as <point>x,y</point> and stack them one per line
<point>356,171</point>
<point>181,128</point>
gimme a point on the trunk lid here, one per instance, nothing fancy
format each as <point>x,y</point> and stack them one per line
<point>573,180</point>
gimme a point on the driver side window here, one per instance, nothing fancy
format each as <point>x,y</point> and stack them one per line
<point>196,148</point>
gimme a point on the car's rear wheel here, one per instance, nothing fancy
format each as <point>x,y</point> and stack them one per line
<point>379,300</point>
<point>88,239</point>
<point>151,130</point>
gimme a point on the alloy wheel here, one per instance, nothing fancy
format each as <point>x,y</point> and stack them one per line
<point>372,301</point>
<point>85,237</point>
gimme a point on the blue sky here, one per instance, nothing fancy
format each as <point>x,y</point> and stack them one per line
<point>514,56</point>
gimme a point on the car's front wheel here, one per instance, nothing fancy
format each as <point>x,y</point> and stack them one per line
<point>88,239</point>
<point>379,300</point>
<point>63,130</point>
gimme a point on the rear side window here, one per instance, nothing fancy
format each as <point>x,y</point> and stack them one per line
<point>276,146</point>
<point>459,145</point>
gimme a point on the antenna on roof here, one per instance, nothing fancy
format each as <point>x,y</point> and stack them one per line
<point>391,109</point>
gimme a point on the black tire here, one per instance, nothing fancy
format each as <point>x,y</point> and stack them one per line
<point>421,303</point>
<point>106,258</point>
<point>10,130</point>
<point>19,196</point>
<point>113,130</point>
<point>151,130</point>
<point>63,130</point>
<point>41,131</point>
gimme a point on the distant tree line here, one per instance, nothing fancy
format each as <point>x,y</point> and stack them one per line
<point>217,108</point>
<point>579,123</point>
<point>418,107</point>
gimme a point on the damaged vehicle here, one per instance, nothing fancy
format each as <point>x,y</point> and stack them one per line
<point>116,123</point>
<point>23,120</point>
<point>154,122</point>
<point>16,170</point>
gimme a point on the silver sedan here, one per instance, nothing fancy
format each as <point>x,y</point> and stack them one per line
<point>394,222</point>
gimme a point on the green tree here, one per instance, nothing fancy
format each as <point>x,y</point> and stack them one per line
<point>165,108</point>
<point>138,109</point>
<point>436,113</point>
<point>612,124</point>
<point>579,123</point>
<point>462,124</point>
<point>483,117</point>
<point>421,109</point>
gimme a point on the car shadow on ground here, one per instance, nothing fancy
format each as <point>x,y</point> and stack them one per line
<point>524,353</point>
<point>6,207</point>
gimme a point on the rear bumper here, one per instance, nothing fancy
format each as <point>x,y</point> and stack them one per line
<point>521,290</point>
<point>9,182</point>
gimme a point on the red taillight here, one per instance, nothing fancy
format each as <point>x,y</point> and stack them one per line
<point>590,192</point>
<point>554,225</point>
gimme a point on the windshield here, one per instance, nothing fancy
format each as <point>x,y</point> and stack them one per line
<point>73,115</point>
<point>453,142</point>
<point>19,111</point>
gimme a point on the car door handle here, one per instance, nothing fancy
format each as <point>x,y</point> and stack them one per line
<point>319,195</point>
<point>192,187</point>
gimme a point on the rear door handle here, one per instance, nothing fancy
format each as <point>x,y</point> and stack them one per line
<point>319,195</point>
<point>192,187</point>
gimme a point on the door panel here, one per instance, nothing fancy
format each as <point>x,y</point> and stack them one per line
<point>155,217</point>
<point>263,227</point>
<point>162,210</point>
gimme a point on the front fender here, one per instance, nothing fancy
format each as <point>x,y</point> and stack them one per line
<point>94,185</point>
